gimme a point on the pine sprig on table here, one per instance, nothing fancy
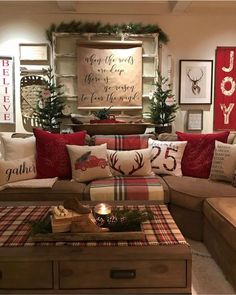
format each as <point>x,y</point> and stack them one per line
<point>42,226</point>
<point>128,220</point>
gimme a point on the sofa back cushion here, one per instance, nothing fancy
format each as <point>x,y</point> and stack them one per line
<point>52,158</point>
<point>17,148</point>
<point>123,142</point>
<point>198,154</point>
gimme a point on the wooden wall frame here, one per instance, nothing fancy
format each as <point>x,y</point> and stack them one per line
<point>34,54</point>
<point>194,120</point>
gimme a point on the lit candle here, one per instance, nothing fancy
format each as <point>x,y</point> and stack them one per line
<point>102,209</point>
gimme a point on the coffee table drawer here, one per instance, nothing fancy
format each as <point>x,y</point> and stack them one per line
<point>122,274</point>
<point>26,275</point>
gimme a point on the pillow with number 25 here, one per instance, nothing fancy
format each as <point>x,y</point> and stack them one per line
<point>166,156</point>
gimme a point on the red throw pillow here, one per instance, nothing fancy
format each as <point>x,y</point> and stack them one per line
<point>198,153</point>
<point>52,158</point>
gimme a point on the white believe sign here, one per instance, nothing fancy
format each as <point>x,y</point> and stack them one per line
<point>6,90</point>
<point>109,77</point>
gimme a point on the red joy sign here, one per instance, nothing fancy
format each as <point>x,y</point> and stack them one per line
<point>225,89</point>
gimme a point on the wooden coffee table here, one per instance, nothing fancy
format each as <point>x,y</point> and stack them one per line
<point>160,264</point>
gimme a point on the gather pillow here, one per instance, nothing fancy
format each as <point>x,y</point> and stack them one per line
<point>89,162</point>
<point>223,162</point>
<point>16,170</point>
<point>123,142</point>
<point>17,148</point>
<point>52,158</point>
<point>130,163</point>
<point>198,153</point>
<point>166,156</point>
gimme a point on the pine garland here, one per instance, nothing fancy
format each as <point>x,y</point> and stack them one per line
<point>98,27</point>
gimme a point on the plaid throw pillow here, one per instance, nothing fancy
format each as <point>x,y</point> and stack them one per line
<point>123,142</point>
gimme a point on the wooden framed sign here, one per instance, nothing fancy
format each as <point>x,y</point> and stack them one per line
<point>225,89</point>
<point>35,54</point>
<point>7,104</point>
<point>195,120</point>
<point>109,74</point>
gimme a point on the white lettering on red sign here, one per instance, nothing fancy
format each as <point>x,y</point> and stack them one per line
<point>227,87</point>
<point>226,111</point>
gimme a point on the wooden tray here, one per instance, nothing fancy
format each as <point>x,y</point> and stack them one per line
<point>112,128</point>
<point>74,237</point>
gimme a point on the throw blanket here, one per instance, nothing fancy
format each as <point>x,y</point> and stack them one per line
<point>31,183</point>
<point>15,229</point>
<point>121,188</point>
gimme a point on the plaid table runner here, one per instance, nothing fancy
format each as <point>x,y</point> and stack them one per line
<point>119,188</point>
<point>15,231</point>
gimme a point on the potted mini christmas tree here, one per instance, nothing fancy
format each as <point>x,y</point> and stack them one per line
<point>51,102</point>
<point>163,106</point>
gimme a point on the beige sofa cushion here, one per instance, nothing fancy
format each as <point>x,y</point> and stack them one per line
<point>61,190</point>
<point>190,192</point>
<point>221,213</point>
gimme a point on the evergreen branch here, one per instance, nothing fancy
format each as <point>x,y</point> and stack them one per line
<point>128,220</point>
<point>97,27</point>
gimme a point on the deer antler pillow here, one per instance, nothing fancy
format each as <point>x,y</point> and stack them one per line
<point>130,163</point>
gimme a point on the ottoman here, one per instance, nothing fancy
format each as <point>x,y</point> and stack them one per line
<point>220,233</point>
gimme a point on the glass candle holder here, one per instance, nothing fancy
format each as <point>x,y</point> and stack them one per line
<point>102,212</point>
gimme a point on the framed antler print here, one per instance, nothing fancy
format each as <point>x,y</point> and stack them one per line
<point>195,81</point>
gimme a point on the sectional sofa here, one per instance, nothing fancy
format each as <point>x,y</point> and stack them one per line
<point>204,209</point>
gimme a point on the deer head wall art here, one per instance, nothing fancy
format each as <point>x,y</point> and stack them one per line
<point>195,81</point>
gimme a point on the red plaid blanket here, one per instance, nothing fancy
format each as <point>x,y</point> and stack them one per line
<point>121,188</point>
<point>123,142</point>
<point>15,231</point>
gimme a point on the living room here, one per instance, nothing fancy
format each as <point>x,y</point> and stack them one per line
<point>180,35</point>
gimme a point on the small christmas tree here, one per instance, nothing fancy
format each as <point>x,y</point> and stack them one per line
<point>163,106</point>
<point>51,102</point>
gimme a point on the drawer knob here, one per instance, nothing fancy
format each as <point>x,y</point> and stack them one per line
<point>122,273</point>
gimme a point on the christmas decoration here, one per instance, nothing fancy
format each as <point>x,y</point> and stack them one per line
<point>122,220</point>
<point>51,102</point>
<point>117,29</point>
<point>163,106</point>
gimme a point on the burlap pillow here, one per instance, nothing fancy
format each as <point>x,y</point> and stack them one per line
<point>167,156</point>
<point>224,161</point>
<point>16,170</point>
<point>130,163</point>
<point>89,162</point>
